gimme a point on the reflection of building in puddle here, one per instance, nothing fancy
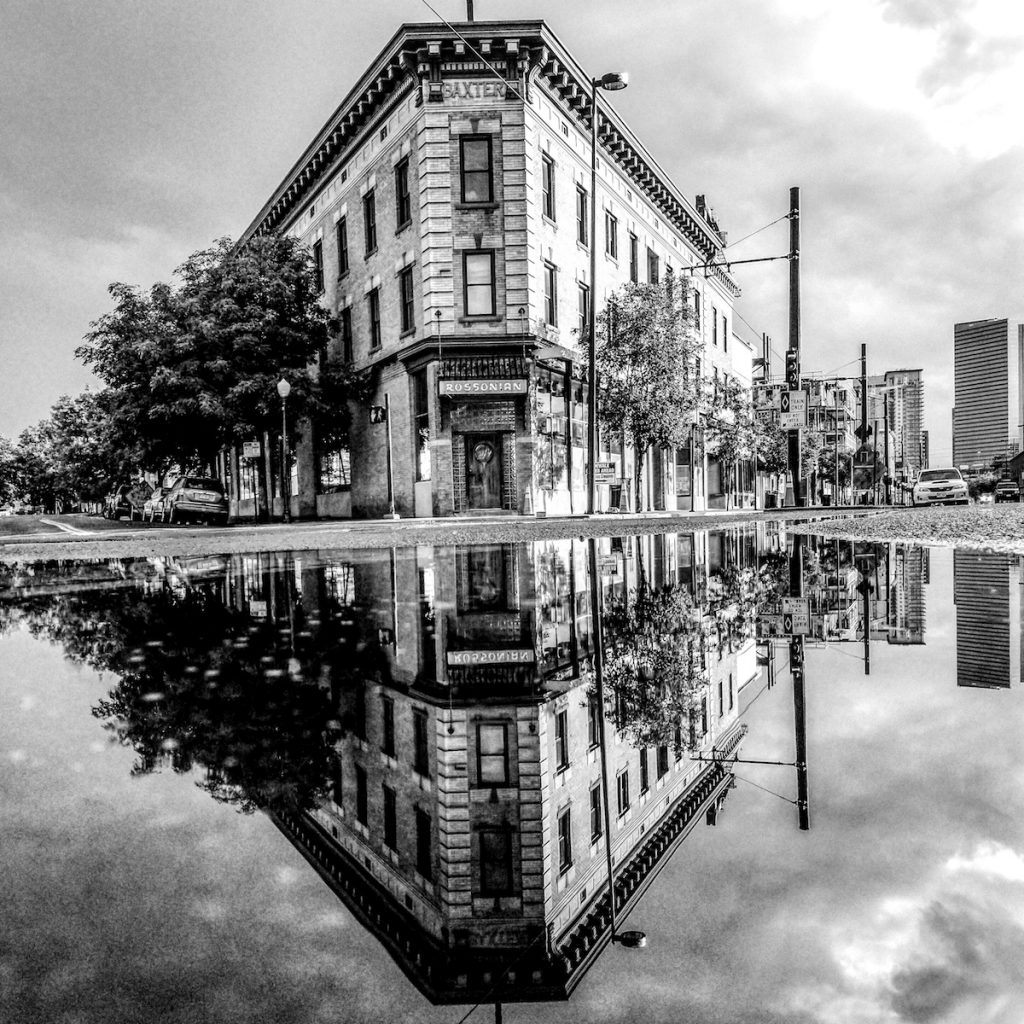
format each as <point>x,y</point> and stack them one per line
<point>987,596</point>
<point>466,827</point>
<point>911,568</point>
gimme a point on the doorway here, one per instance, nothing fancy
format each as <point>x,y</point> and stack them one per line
<point>483,470</point>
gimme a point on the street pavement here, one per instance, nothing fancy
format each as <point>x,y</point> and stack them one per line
<point>84,536</point>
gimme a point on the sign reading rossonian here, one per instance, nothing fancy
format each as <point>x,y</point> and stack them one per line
<point>506,656</point>
<point>484,387</point>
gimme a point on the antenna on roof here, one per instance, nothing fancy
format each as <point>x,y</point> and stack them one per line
<point>469,10</point>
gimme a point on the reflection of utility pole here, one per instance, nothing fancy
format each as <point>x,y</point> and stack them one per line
<point>796,666</point>
<point>793,352</point>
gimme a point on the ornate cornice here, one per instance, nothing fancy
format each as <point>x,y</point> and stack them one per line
<point>421,55</point>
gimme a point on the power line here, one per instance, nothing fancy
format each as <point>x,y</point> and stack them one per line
<point>785,216</point>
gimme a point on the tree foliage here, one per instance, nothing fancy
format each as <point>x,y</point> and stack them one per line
<point>653,669</point>
<point>646,362</point>
<point>194,366</point>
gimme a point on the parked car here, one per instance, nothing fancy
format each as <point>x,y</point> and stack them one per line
<point>1007,490</point>
<point>154,506</point>
<point>127,500</point>
<point>196,497</point>
<point>941,487</point>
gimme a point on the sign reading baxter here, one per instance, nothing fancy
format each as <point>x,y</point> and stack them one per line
<point>483,387</point>
<point>506,656</point>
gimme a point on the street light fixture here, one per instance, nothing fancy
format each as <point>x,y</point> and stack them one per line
<point>613,81</point>
<point>284,389</point>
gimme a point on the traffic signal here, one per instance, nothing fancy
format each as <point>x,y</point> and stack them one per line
<point>796,652</point>
<point>793,369</point>
<point>378,414</point>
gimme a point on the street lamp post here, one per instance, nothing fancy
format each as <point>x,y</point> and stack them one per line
<point>610,82</point>
<point>284,389</point>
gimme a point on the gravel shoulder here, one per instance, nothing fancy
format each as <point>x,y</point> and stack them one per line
<point>982,527</point>
<point>185,541</point>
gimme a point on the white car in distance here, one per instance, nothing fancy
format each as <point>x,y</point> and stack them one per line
<point>941,487</point>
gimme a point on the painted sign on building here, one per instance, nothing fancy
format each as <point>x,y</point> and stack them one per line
<point>483,387</point>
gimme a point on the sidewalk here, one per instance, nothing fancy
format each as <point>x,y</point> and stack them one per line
<point>141,541</point>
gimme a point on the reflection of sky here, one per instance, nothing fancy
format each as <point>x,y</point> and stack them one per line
<point>144,899</point>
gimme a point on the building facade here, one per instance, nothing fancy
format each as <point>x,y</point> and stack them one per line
<point>987,407</point>
<point>906,417</point>
<point>447,204</point>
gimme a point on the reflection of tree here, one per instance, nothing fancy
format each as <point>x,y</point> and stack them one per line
<point>654,655</point>
<point>204,685</point>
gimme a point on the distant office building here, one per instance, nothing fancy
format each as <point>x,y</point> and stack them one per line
<point>987,410</point>
<point>987,593</point>
<point>905,397</point>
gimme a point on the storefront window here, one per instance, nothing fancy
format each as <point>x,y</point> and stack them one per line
<point>335,470</point>
<point>421,425</point>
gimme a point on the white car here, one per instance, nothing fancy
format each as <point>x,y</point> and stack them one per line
<point>941,487</point>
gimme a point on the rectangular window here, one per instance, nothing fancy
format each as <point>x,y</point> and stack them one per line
<point>390,819</point>
<point>652,266</point>
<point>345,333</point>
<point>495,861</point>
<point>634,258</point>
<point>373,311</point>
<point>492,753</point>
<point>336,780</point>
<point>581,215</point>
<point>547,184</point>
<point>335,469</point>
<point>387,732</point>
<point>424,860</point>
<point>596,817</point>
<point>732,692</point>
<point>420,747</point>
<point>662,760</point>
<point>478,283</point>
<point>714,326</point>
<point>359,711</point>
<point>476,169</point>
<point>370,221</point>
<point>645,778</point>
<point>562,740</point>
<point>361,813</point>
<point>421,424</point>
<point>565,840</point>
<point>721,698</point>
<point>341,237</point>
<point>593,722</point>
<point>611,234</point>
<point>550,295</point>
<point>725,334</point>
<point>408,304</point>
<point>696,310</point>
<point>583,306</point>
<point>622,791</point>
<point>318,266</point>
<point>403,199</point>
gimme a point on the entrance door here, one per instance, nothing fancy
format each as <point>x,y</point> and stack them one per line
<point>483,470</point>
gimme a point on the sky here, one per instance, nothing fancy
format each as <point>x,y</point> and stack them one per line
<point>137,131</point>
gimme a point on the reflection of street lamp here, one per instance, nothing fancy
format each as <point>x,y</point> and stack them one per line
<point>284,389</point>
<point>611,82</point>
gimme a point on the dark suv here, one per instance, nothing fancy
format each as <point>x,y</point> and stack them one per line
<point>1007,490</point>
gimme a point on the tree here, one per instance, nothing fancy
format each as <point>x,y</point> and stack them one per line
<point>646,361</point>
<point>729,422</point>
<point>193,367</point>
<point>9,485</point>
<point>654,662</point>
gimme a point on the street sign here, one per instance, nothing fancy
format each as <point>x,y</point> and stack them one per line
<point>796,618</point>
<point>250,449</point>
<point>608,566</point>
<point>792,409</point>
<point>604,473</point>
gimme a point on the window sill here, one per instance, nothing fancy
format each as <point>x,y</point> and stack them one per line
<point>343,275</point>
<point>549,220</point>
<point>583,246</point>
<point>482,319</point>
<point>407,332</point>
<point>369,253</point>
<point>403,227</point>
<point>489,206</point>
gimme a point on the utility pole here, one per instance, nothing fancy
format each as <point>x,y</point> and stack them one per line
<point>793,352</point>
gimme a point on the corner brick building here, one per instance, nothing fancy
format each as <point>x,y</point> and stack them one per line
<point>447,205</point>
